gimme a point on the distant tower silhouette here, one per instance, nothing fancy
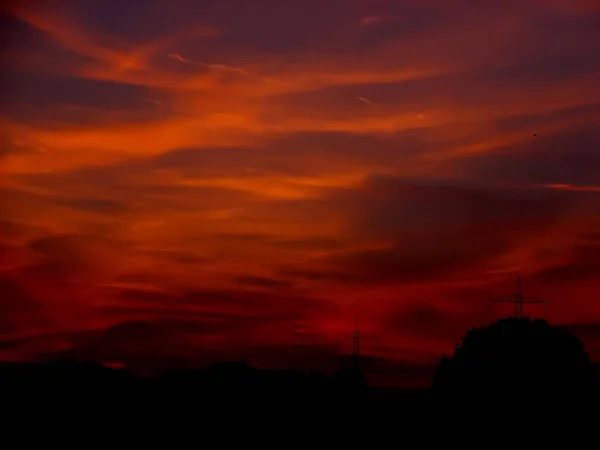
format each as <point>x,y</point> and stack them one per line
<point>356,345</point>
<point>518,300</point>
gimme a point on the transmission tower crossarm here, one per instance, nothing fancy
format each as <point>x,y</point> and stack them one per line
<point>519,300</point>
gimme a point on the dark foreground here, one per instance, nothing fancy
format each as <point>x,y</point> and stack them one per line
<point>233,405</point>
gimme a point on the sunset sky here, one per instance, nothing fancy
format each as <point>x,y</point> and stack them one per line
<point>184,181</point>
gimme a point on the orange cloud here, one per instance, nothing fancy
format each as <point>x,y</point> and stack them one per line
<point>265,176</point>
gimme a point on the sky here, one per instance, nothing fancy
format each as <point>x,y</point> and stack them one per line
<point>190,181</point>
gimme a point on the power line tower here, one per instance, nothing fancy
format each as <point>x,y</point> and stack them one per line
<point>519,300</point>
<point>357,336</point>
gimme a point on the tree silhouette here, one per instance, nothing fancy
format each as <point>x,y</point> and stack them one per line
<point>513,360</point>
<point>349,379</point>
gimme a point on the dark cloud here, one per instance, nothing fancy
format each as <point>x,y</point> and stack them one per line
<point>159,330</point>
<point>388,204</point>
<point>51,270</point>
<point>263,282</point>
<point>37,98</point>
<point>18,309</point>
<point>135,186</point>
<point>304,154</point>
<point>241,237</point>
<point>388,267</point>
<point>321,275</point>
<point>593,236</point>
<point>448,257</point>
<point>11,199</point>
<point>530,122</point>
<point>114,18</point>
<point>435,322</point>
<point>400,265</point>
<point>434,231</point>
<point>165,331</point>
<point>96,205</point>
<point>9,229</point>
<point>140,345</point>
<point>309,243</point>
<point>263,26</point>
<point>207,301</point>
<point>13,344</point>
<point>562,157</point>
<point>19,37</point>
<point>437,32</point>
<point>149,297</point>
<point>583,264</point>
<point>38,90</point>
<point>74,254</point>
<point>167,343</point>
<point>532,70</point>
<point>68,244</point>
<point>136,277</point>
<point>274,28</point>
<point>13,301</point>
<point>469,88</point>
<point>279,307</point>
<point>267,240</point>
<point>426,320</point>
<point>234,326</point>
<point>181,257</point>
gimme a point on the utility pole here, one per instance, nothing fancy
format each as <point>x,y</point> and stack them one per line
<point>519,300</point>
